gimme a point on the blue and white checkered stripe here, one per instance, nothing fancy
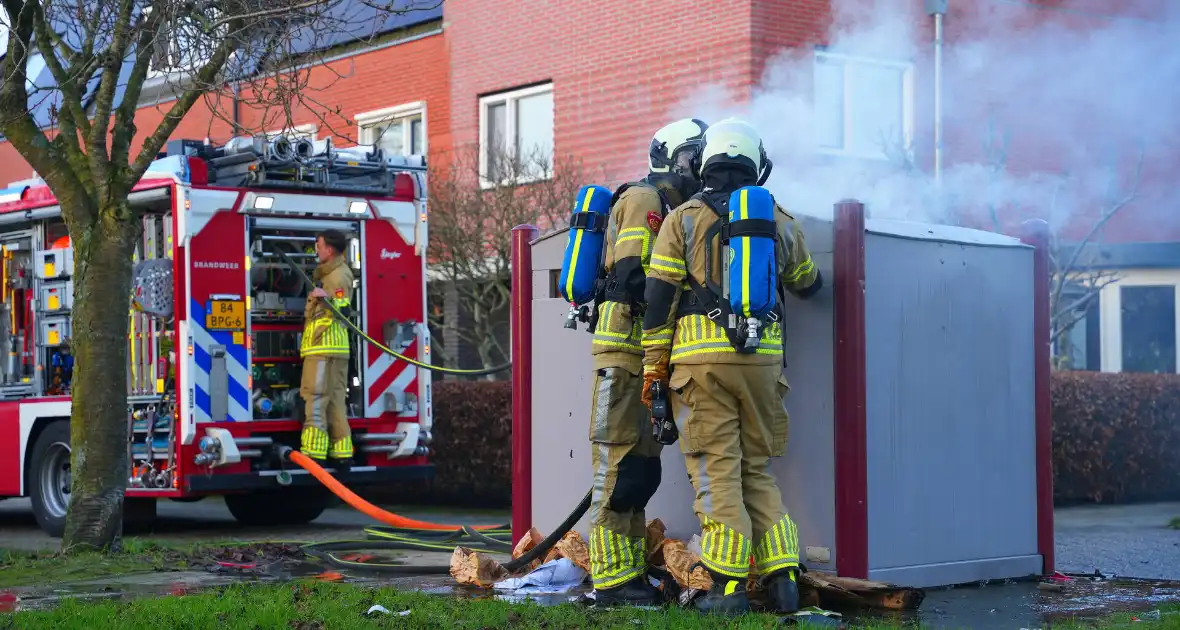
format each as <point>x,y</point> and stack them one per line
<point>235,366</point>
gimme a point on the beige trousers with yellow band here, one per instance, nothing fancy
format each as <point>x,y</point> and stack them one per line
<point>324,388</point>
<point>626,461</point>
<point>732,421</point>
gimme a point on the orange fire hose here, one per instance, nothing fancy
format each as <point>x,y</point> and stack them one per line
<point>410,534</point>
<point>368,509</point>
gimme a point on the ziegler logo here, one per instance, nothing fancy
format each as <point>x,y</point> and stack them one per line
<point>387,255</point>
<point>206,264</point>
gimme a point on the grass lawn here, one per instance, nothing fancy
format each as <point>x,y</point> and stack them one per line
<point>316,605</point>
<point>32,568</point>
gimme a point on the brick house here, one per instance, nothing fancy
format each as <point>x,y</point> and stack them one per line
<point>594,80</point>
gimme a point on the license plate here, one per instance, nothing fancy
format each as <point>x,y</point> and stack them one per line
<point>226,315</point>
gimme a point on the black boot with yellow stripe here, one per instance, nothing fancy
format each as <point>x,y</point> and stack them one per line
<point>782,590</point>
<point>727,596</point>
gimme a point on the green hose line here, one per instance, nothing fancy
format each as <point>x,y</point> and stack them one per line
<point>381,538</point>
<point>355,329</point>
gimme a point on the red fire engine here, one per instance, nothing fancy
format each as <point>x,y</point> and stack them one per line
<point>214,367</point>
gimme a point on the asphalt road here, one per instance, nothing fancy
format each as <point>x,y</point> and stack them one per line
<point>209,520</point>
<point>1129,540</point>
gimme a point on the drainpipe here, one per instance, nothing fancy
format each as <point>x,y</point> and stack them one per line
<point>237,103</point>
<point>937,8</point>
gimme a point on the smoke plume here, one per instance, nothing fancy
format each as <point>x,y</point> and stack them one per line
<point>1045,113</point>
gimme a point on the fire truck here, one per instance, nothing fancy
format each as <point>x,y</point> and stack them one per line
<point>215,323</point>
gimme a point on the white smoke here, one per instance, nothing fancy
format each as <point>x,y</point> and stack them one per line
<point>1076,94</point>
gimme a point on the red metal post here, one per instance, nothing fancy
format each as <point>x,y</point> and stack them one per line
<point>1036,233</point>
<point>522,380</point>
<point>850,432</point>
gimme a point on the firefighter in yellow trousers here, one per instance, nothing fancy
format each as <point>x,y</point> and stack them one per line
<point>325,350</point>
<point>727,403</point>
<point>625,456</point>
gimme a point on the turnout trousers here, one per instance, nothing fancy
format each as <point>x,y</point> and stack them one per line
<point>324,387</point>
<point>732,421</point>
<point>626,461</point>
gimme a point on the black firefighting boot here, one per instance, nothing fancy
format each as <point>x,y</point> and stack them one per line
<point>342,465</point>
<point>782,590</point>
<point>727,596</point>
<point>635,592</point>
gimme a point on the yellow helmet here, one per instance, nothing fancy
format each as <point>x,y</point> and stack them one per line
<point>734,141</point>
<point>676,147</point>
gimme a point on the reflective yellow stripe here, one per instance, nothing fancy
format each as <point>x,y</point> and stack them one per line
<point>569,283</point>
<point>779,547</point>
<point>745,244</point>
<point>313,442</point>
<point>803,269</point>
<point>332,334</point>
<point>697,334</point>
<point>724,550</point>
<point>667,264</point>
<point>614,558</point>
<point>342,448</point>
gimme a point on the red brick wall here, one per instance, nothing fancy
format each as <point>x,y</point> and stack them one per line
<point>412,71</point>
<point>619,68</point>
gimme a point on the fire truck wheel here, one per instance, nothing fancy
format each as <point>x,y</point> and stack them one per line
<point>278,507</point>
<point>50,478</point>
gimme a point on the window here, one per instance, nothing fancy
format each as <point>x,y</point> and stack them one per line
<point>1148,328</point>
<point>1079,347</point>
<point>863,107</point>
<point>516,135</point>
<point>397,130</point>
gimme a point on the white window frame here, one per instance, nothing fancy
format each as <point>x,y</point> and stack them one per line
<point>907,103</point>
<point>1110,336</point>
<point>309,131</point>
<point>510,98</point>
<point>367,120</point>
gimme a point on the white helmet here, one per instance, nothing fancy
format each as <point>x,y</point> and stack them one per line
<point>676,147</point>
<point>734,141</point>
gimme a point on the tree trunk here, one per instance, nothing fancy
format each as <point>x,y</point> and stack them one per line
<point>99,419</point>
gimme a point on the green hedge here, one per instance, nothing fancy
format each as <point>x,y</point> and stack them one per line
<point>1116,437</point>
<point>471,451</point>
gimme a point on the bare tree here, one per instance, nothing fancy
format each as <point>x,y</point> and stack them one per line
<point>1076,268</point>
<point>100,54</point>
<point>473,211</point>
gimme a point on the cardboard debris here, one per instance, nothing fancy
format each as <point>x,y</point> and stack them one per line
<point>679,561</point>
<point>655,542</point>
<point>476,569</point>
<point>815,589</point>
<point>572,547</point>
<point>842,592</point>
<point>526,544</point>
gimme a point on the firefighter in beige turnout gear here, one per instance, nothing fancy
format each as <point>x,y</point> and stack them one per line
<point>325,351</point>
<point>728,406</point>
<point>625,456</point>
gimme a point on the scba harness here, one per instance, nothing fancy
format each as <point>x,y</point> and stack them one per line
<point>583,277</point>
<point>748,297</point>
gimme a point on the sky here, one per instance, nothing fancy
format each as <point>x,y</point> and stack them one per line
<point>1076,95</point>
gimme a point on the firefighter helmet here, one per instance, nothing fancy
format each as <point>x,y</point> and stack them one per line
<point>676,147</point>
<point>734,141</point>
